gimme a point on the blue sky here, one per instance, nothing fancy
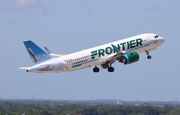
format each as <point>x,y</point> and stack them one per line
<point>66,26</point>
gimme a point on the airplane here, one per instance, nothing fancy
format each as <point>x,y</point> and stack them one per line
<point>125,51</point>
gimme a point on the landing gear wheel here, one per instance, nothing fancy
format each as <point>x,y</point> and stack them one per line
<point>110,69</point>
<point>149,57</point>
<point>96,69</point>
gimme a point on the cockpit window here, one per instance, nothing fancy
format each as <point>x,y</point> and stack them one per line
<point>156,36</point>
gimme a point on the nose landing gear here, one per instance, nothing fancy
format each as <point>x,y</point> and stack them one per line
<point>148,56</point>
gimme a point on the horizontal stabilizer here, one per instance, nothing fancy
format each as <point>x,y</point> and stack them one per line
<point>24,67</point>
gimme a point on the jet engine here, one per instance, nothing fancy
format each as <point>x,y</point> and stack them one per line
<point>130,58</point>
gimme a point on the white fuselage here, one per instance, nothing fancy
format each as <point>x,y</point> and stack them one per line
<point>94,56</point>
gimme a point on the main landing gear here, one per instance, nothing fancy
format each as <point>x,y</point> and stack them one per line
<point>110,69</point>
<point>96,69</point>
<point>148,56</point>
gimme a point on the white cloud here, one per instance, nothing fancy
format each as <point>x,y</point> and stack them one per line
<point>23,6</point>
<point>20,4</point>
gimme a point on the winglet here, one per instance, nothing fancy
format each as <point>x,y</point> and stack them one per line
<point>115,48</point>
<point>47,50</point>
<point>51,53</point>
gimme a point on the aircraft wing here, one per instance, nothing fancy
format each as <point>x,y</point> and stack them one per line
<point>118,55</point>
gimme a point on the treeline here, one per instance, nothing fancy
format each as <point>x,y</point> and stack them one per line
<point>23,108</point>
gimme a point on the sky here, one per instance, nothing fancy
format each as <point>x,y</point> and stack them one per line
<point>67,26</point>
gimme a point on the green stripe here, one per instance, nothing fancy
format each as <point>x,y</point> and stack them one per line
<point>76,65</point>
<point>90,61</point>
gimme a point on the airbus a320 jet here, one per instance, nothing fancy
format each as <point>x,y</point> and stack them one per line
<point>125,51</point>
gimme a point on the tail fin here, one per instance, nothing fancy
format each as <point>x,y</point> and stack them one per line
<point>36,53</point>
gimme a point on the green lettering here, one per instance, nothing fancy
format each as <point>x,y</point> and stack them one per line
<point>93,54</point>
<point>132,44</point>
<point>127,45</point>
<point>123,45</point>
<point>108,50</point>
<point>101,52</point>
<point>118,47</point>
<point>139,42</point>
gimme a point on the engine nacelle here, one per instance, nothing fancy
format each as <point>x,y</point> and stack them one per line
<point>130,58</point>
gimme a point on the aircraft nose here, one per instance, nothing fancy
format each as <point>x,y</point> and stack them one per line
<point>161,40</point>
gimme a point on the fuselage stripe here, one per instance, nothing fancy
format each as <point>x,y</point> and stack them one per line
<point>77,65</point>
